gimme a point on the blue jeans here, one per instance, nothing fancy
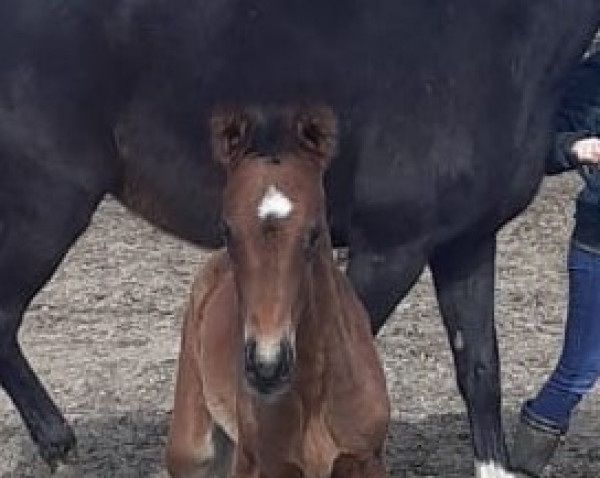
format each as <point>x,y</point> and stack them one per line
<point>579,365</point>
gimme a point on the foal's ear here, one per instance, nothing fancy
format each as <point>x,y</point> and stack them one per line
<point>229,134</point>
<point>316,133</point>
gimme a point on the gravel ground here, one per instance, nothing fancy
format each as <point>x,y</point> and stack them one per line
<point>104,334</point>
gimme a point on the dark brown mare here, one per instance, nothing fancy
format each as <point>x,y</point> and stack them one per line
<point>277,366</point>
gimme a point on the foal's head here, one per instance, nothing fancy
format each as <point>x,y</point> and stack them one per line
<point>273,223</point>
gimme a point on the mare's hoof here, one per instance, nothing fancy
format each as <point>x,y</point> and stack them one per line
<point>56,445</point>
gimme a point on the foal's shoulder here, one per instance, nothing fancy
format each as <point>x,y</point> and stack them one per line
<point>348,296</point>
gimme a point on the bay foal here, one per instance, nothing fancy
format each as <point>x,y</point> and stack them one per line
<point>278,375</point>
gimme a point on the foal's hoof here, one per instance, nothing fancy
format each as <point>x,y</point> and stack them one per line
<point>56,445</point>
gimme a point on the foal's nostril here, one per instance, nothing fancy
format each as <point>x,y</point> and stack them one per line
<point>287,358</point>
<point>271,369</point>
<point>250,353</point>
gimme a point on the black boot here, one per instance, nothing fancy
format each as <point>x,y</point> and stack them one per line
<point>534,445</point>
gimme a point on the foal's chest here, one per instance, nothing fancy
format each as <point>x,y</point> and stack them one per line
<point>299,437</point>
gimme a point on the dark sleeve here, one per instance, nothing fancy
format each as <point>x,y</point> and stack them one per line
<point>578,116</point>
<point>561,157</point>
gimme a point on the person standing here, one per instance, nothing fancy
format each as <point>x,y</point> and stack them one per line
<point>544,419</point>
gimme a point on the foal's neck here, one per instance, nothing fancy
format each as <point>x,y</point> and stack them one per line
<point>321,318</point>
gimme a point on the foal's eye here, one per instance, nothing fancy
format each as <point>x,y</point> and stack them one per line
<point>225,231</point>
<point>311,238</point>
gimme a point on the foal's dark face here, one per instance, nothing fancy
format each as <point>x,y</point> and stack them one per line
<point>273,223</point>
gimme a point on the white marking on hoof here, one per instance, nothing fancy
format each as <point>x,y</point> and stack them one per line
<point>274,204</point>
<point>459,341</point>
<point>491,470</point>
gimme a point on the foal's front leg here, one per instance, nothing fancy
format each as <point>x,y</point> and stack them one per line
<point>351,466</point>
<point>197,447</point>
<point>190,447</point>
<point>246,464</point>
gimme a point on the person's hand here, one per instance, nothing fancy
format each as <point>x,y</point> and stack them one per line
<point>587,150</point>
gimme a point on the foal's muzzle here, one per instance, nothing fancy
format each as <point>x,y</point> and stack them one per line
<point>268,368</point>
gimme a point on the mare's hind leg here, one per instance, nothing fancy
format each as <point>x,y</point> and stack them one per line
<point>42,211</point>
<point>464,281</point>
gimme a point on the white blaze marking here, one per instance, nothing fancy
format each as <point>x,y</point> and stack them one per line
<point>491,470</point>
<point>268,347</point>
<point>459,341</point>
<point>274,204</point>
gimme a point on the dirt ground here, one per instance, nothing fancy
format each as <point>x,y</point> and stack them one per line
<point>103,336</point>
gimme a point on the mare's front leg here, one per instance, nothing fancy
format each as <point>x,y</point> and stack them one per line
<point>464,282</point>
<point>382,276</point>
